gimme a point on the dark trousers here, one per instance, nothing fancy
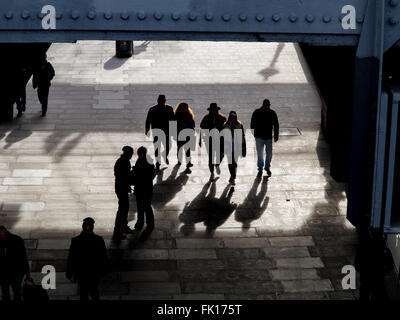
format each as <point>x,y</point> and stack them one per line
<point>15,284</point>
<point>21,99</point>
<point>143,201</point>
<point>89,286</point>
<point>157,147</point>
<point>121,220</point>
<point>43,95</point>
<point>213,155</point>
<point>232,168</point>
<point>182,149</point>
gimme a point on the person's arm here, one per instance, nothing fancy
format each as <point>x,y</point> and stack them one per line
<point>253,122</point>
<point>25,262</point>
<point>52,73</point>
<point>35,80</point>
<point>104,257</point>
<point>70,262</point>
<point>148,122</point>
<point>243,143</point>
<point>276,127</point>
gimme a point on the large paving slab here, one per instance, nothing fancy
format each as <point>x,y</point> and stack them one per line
<point>285,237</point>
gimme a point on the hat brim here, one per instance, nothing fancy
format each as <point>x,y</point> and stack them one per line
<point>217,108</point>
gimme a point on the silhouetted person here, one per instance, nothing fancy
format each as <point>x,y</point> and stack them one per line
<point>213,120</point>
<point>237,143</point>
<point>185,120</point>
<point>144,174</point>
<point>42,81</point>
<point>263,121</point>
<point>23,77</point>
<point>159,117</point>
<point>87,261</point>
<point>123,182</point>
<point>13,264</point>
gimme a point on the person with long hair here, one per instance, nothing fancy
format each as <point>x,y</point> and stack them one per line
<point>185,120</point>
<point>236,143</point>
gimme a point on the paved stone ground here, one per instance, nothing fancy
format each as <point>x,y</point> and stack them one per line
<point>281,238</point>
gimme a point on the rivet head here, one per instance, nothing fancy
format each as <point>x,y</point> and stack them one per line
<point>40,15</point>
<point>209,16</point>
<point>309,18</point>
<point>75,14</point>
<point>243,17</point>
<point>175,16</point>
<point>226,17</point>
<point>259,17</point>
<point>141,15</point>
<point>25,14</point>
<point>393,3</point>
<point>360,20</point>
<point>108,15</point>
<point>393,21</point>
<point>158,15</point>
<point>59,16</point>
<point>292,18</point>
<point>9,15</point>
<point>326,19</point>
<point>276,17</point>
<point>124,15</point>
<point>91,15</point>
<point>192,16</point>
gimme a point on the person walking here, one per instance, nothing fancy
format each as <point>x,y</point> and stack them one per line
<point>159,117</point>
<point>185,120</point>
<point>123,181</point>
<point>263,121</point>
<point>14,264</point>
<point>23,77</point>
<point>42,81</point>
<point>87,261</point>
<point>236,143</point>
<point>144,174</point>
<point>213,120</point>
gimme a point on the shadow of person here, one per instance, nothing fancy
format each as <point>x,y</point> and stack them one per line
<point>205,207</point>
<point>114,63</point>
<point>15,136</point>
<point>141,48</point>
<point>255,203</point>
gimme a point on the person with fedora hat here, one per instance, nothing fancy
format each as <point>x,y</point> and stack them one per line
<point>123,181</point>
<point>236,143</point>
<point>211,126</point>
<point>158,118</point>
<point>87,260</point>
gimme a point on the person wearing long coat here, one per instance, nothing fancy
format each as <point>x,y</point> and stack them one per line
<point>185,120</point>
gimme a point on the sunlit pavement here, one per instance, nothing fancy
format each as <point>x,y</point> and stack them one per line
<point>285,237</point>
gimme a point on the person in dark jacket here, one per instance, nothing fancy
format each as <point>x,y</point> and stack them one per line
<point>123,181</point>
<point>87,261</point>
<point>213,120</point>
<point>144,174</point>
<point>263,121</point>
<point>23,77</point>
<point>236,143</point>
<point>185,120</point>
<point>159,117</point>
<point>13,264</point>
<point>42,81</point>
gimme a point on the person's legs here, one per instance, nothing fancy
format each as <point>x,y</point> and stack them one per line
<point>16,285</point>
<point>149,213</point>
<point>43,95</point>
<point>180,150</point>
<point>83,289</point>
<point>210,156</point>
<point>268,156</point>
<point>5,289</point>
<point>140,212</point>
<point>121,221</point>
<point>167,144</point>
<point>260,153</point>
<point>233,169</point>
<point>93,289</point>
<point>157,152</point>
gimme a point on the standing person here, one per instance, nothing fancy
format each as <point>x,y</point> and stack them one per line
<point>87,261</point>
<point>263,120</point>
<point>123,182</point>
<point>143,181</point>
<point>42,81</point>
<point>23,77</point>
<point>237,143</point>
<point>13,264</point>
<point>213,120</point>
<point>185,120</point>
<point>159,117</point>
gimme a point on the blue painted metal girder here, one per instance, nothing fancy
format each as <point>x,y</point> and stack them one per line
<point>312,17</point>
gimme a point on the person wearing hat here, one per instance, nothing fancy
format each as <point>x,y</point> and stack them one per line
<point>123,181</point>
<point>213,120</point>
<point>42,81</point>
<point>87,261</point>
<point>13,264</point>
<point>263,121</point>
<point>236,143</point>
<point>159,117</point>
